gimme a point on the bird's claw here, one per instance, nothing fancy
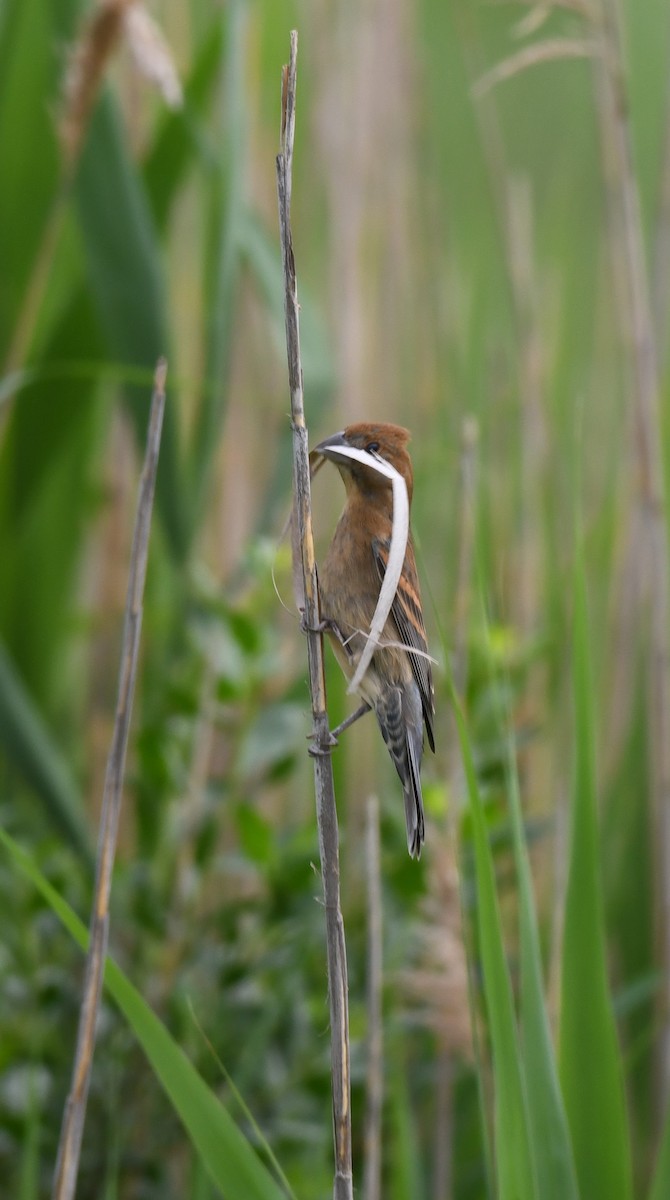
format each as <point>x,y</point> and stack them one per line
<point>321,749</point>
<point>323,627</point>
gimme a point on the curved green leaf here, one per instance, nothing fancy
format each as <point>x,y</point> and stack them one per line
<point>590,1060</point>
<point>515,1170</point>
<point>552,1150</point>
<point>226,1154</point>
<point>222,262</point>
<point>660,1188</point>
<point>127,281</point>
<point>29,744</point>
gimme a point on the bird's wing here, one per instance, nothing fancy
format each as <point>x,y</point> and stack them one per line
<point>407,614</point>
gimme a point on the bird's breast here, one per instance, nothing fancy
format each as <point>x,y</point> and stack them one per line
<point>349,585</point>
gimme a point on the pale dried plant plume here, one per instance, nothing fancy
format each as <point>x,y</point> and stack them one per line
<point>436,987</point>
<point>111,23</point>
<point>152,55</point>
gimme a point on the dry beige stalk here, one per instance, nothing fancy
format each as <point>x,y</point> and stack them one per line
<point>637,327</point>
<point>661,247</point>
<point>74,1115</point>
<point>374,1091</point>
<point>338,990</point>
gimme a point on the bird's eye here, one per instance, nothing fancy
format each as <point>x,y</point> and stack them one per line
<point>372,447</point>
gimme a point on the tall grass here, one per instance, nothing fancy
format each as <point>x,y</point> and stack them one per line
<point>456,259</point>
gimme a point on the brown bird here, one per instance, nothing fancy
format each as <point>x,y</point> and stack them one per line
<point>398,683</point>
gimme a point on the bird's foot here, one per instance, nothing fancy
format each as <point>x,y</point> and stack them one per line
<point>326,625</point>
<point>354,716</point>
<point>323,747</point>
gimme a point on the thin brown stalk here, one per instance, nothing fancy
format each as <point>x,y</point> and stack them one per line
<point>69,1148</point>
<point>326,812</point>
<point>444,1124</point>
<point>372,1181</point>
<point>444,1100</point>
<point>638,330</point>
<point>661,248</point>
<point>533,438</point>
<point>466,551</point>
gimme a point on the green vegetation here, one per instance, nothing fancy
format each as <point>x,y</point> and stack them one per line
<point>462,257</point>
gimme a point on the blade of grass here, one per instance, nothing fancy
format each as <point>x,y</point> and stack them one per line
<point>222,251</point>
<point>513,1155</point>
<point>549,1133</point>
<point>590,1060</point>
<point>179,141</point>
<point>405,1166</point>
<point>28,78</point>
<point>246,1111</point>
<point>49,491</point>
<point>230,1160</point>
<point>29,743</point>
<point>126,277</point>
<point>660,1188</point>
<point>46,495</point>
<point>629,251</point>
<point>552,1150</point>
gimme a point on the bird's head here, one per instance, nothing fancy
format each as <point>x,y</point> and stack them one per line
<point>376,441</point>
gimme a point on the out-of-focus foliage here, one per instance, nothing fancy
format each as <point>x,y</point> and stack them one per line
<point>454,262</point>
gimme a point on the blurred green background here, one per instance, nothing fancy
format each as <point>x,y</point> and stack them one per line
<point>458,273</point>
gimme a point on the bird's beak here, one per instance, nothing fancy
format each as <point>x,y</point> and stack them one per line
<point>329,448</point>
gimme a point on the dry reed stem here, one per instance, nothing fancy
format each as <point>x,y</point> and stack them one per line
<point>69,1147</point>
<point>582,7</point>
<point>661,246</point>
<point>466,554</point>
<point>638,329</point>
<point>444,1099</point>
<point>326,811</point>
<point>551,50</point>
<point>533,435</point>
<point>374,1097</point>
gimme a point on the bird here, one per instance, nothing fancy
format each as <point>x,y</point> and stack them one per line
<point>397,684</point>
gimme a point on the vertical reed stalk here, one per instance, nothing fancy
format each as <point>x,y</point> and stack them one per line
<point>69,1147</point>
<point>372,1181</point>
<point>326,811</point>
<point>444,1084</point>
<point>638,329</point>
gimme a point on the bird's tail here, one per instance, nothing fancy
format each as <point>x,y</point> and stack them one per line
<point>402,730</point>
